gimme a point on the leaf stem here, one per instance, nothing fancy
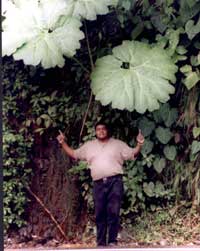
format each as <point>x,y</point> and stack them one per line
<point>81,65</point>
<point>91,95</point>
<point>88,46</point>
<point>85,116</point>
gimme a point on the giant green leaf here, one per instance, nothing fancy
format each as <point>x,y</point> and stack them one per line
<point>136,76</point>
<point>89,9</point>
<point>40,32</point>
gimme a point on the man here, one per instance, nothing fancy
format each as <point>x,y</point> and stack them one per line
<point>105,156</point>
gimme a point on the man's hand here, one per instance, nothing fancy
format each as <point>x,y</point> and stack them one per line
<point>61,137</point>
<point>140,138</point>
<point>69,151</point>
<point>140,142</point>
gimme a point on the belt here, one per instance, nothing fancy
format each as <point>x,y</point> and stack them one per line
<point>105,179</point>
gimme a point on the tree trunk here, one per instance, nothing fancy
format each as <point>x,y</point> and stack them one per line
<point>59,194</point>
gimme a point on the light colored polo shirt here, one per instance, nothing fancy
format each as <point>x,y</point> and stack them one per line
<point>105,159</point>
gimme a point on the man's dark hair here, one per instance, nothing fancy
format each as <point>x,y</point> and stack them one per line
<point>107,125</point>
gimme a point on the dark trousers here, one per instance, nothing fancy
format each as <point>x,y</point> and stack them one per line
<point>107,200</point>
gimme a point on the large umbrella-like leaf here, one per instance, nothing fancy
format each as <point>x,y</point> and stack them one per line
<point>136,76</point>
<point>89,9</point>
<point>40,32</point>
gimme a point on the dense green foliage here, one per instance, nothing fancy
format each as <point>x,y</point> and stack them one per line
<point>35,106</point>
<point>16,154</point>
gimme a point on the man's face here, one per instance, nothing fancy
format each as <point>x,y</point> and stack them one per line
<point>101,132</point>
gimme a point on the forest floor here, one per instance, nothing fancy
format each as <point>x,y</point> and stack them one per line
<point>158,230</point>
<point>89,243</point>
<point>55,245</point>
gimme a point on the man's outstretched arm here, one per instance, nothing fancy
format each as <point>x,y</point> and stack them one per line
<point>69,151</point>
<point>140,142</point>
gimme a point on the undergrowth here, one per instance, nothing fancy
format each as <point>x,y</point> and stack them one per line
<point>165,228</point>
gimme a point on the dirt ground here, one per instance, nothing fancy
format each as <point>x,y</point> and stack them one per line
<point>39,244</point>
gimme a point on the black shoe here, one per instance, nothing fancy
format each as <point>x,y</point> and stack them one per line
<point>112,244</point>
<point>101,245</point>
